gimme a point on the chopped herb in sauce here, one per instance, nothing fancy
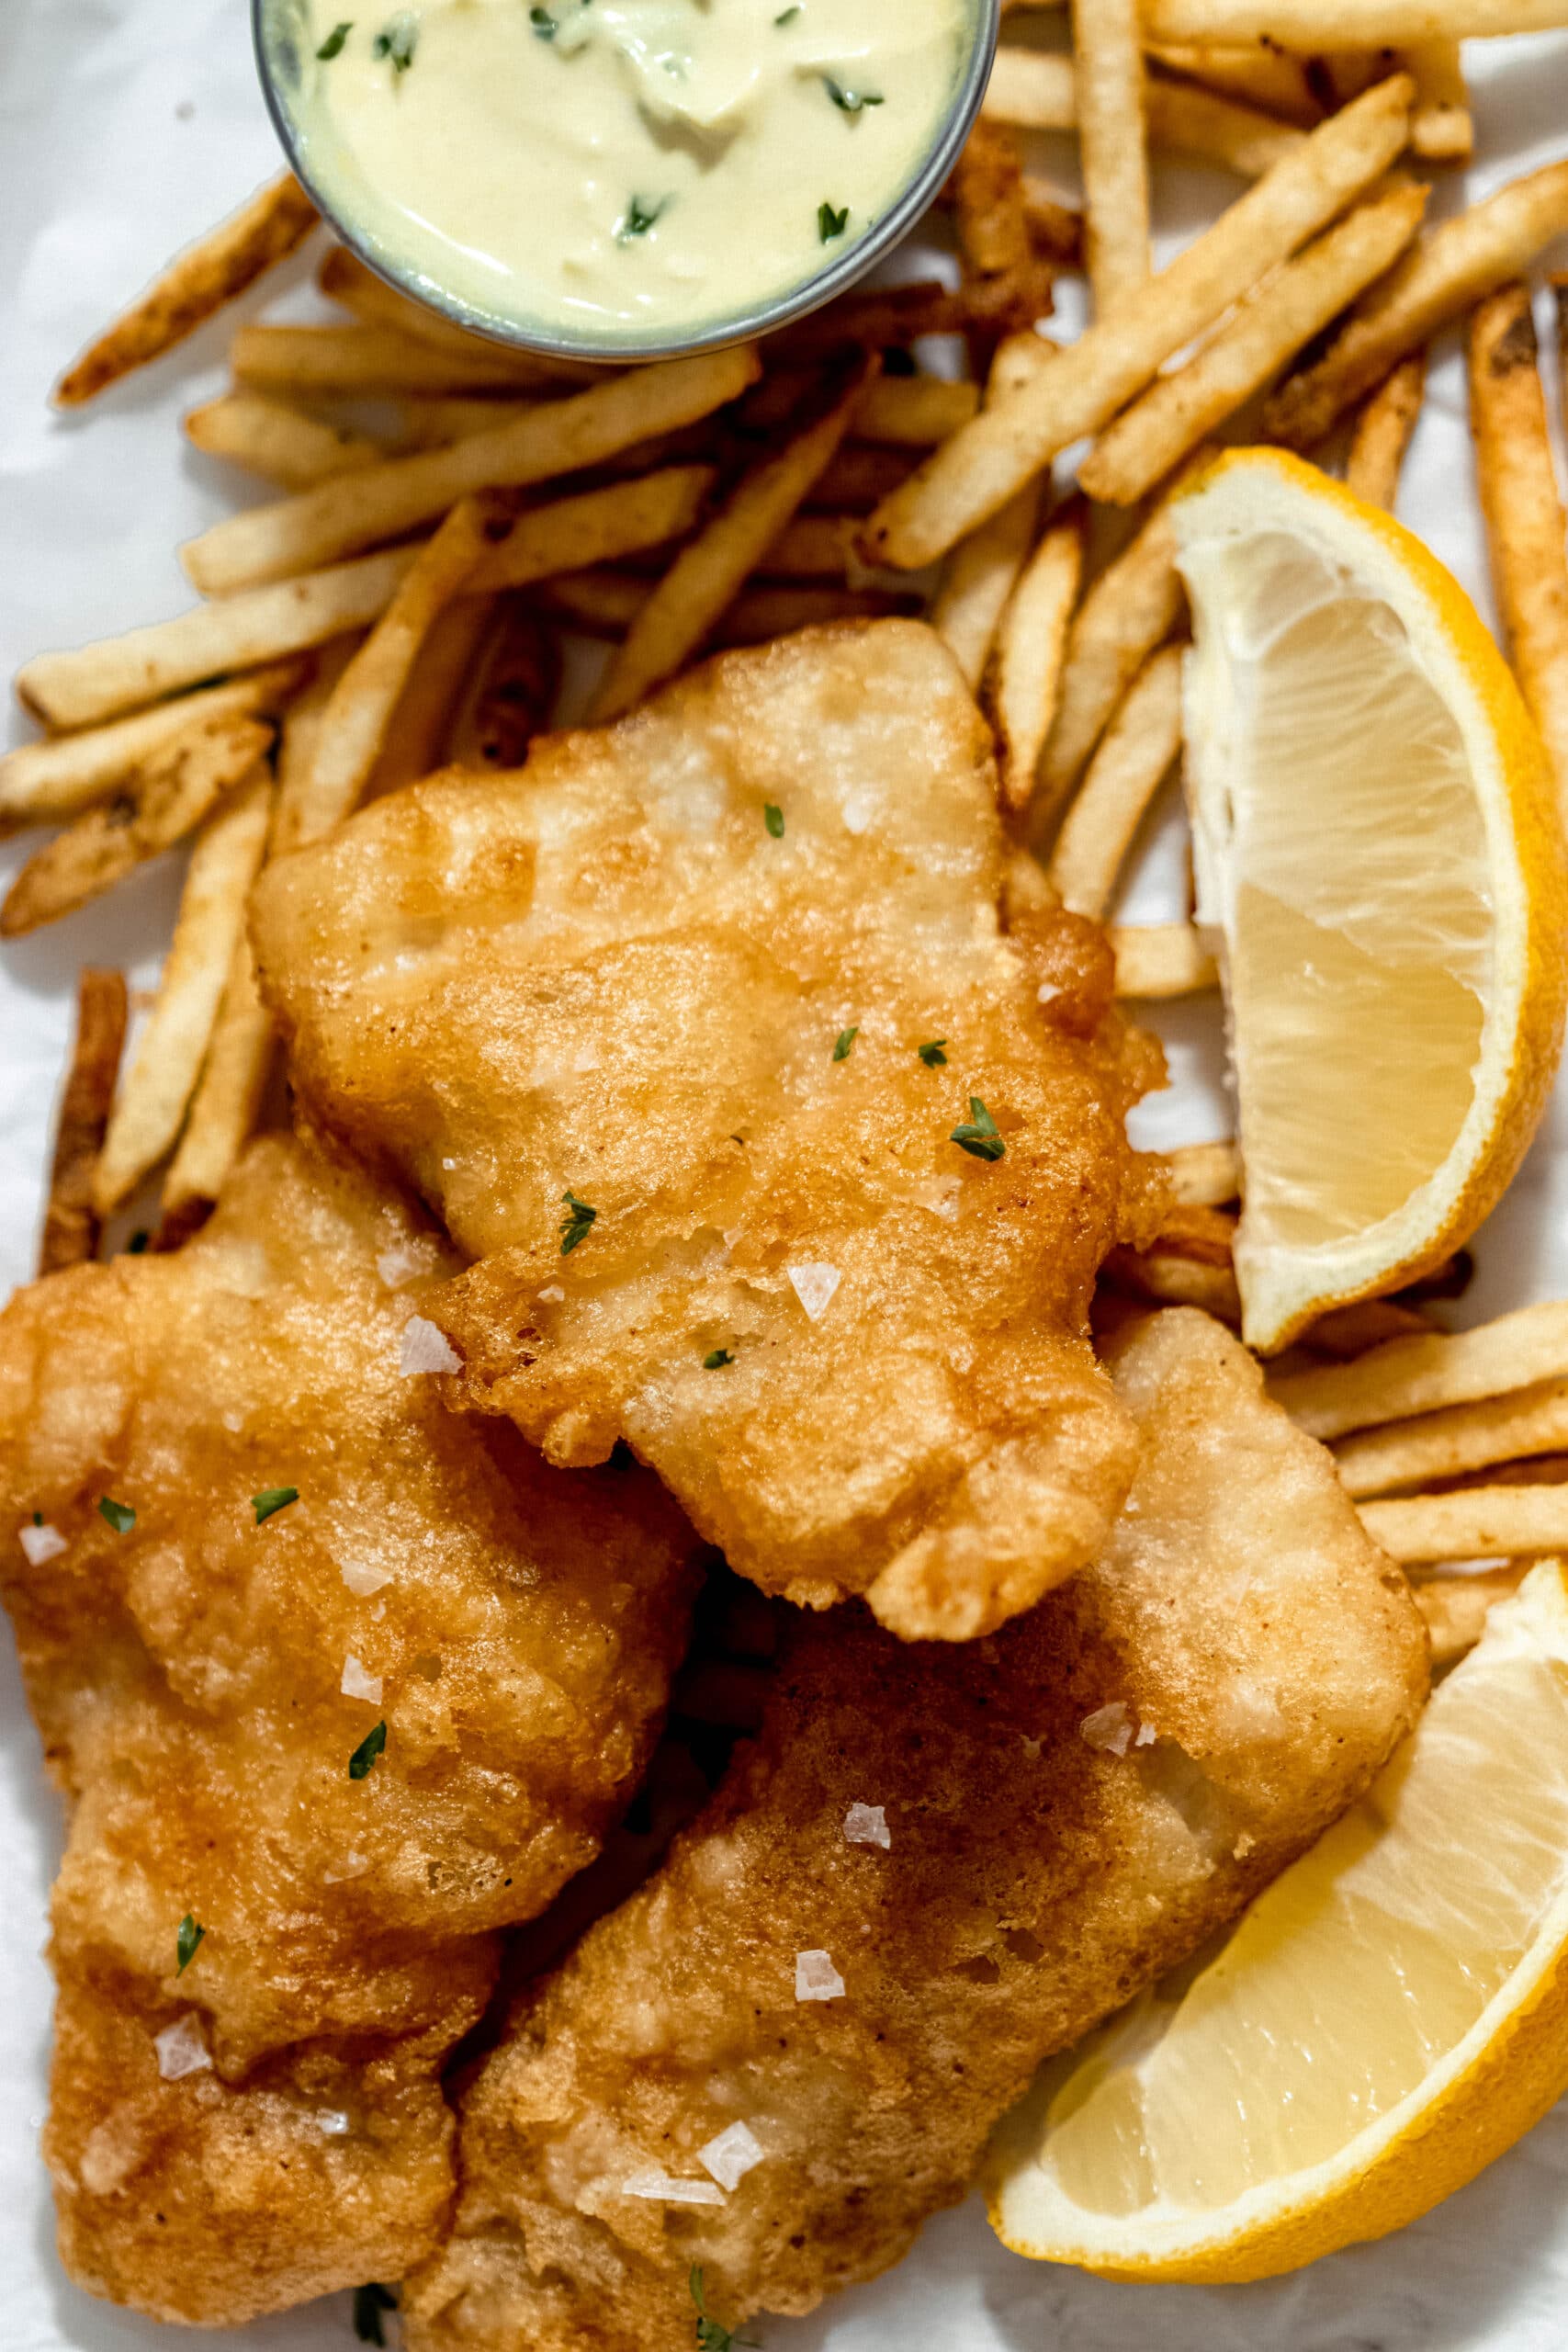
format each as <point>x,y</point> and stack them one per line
<point>120,1516</point>
<point>831,224</point>
<point>849,101</point>
<point>396,43</point>
<point>774,819</point>
<point>712,2337</point>
<point>640,216</point>
<point>977,1134</point>
<point>786,16</point>
<point>717,1360</point>
<point>187,1941</point>
<point>369,2303</point>
<point>575,1224</point>
<point>932,1052</point>
<point>845,1040</point>
<point>332,45</point>
<point>273,1498</point>
<point>138,1243</point>
<point>365,1755</point>
<point>543,24</point>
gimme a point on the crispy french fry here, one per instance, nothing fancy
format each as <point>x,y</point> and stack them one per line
<point>174,790</point>
<point>1449,273</point>
<point>1023,675</point>
<point>1268,327</point>
<point>860,476</point>
<point>1456,1607</point>
<point>419,732</point>
<point>277,441</point>
<point>981,572</point>
<point>227,1099</point>
<point>560,436</point>
<point>513,693</point>
<point>986,461</point>
<point>1056,230</point>
<point>1161,959</point>
<point>1313,26</point>
<point>1347,1332</point>
<point>813,546</point>
<point>1006,285</point>
<point>1033,90</point>
<point>913,411</point>
<point>1526,529</point>
<point>1458,1438</point>
<point>887,315</point>
<point>41,781</point>
<point>151,1106</point>
<point>1423,1373</point>
<point>1204,1175</point>
<point>709,574</point>
<point>1471,1524</point>
<point>594,528</point>
<point>197,283</point>
<point>1383,430</point>
<point>1113,148</point>
<point>354,722</point>
<point>1257,75</point>
<point>605,604</point>
<point>1132,761</point>
<point>1441,128</point>
<point>311,362</point>
<point>71,1225</point>
<point>1170,1278</point>
<point>344,278</point>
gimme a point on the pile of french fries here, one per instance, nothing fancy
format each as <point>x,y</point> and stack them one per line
<point>453,515</point>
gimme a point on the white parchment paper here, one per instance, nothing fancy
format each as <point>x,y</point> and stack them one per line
<point>126,127</point>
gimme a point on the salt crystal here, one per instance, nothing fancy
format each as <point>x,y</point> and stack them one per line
<point>731,2155</point>
<point>664,2189</point>
<point>357,1684</point>
<point>333,2122</point>
<point>1046,992</point>
<point>355,1865</point>
<point>859,810</point>
<point>364,1580</point>
<point>406,1260</point>
<point>41,1543</point>
<point>814,1286</point>
<point>182,2048</point>
<point>815,1978</point>
<point>1110,1727</point>
<point>552,1293</point>
<point>867,1825</point>
<point>1146,1735</point>
<point>426,1349</point>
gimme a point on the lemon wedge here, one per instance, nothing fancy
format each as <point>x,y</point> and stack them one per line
<point>1386,2018</point>
<point>1380,871</point>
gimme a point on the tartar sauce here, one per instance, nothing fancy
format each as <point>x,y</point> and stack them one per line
<point>629,167</point>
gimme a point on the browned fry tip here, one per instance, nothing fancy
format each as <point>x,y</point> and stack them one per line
<point>71,1225</point>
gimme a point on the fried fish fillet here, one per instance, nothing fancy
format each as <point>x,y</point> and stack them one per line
<point>1070,1808</point>
<point>203,1675</point>
<point>675,1028</point>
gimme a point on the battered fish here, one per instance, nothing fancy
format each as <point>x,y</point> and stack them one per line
<point>843,2009</point>
<point>782,1162</point>
<point>247,2111</point>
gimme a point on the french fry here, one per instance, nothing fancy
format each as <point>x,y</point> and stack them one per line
<point>1383,430</point>
<point>227,1097</point>
<point>1023,676</point>
<point>41,781</point>
<point>344,278</point>
<point>1313,26</point>
<point>1253,72</point>
<point>305,363</point>
<point>1056,230</point>
<point>1005,285</point>
<point>1204,1175</point>
<point>419,731</point>
<point>71,1225</point>
<point>173,792</point>
<point>1134,760</point>
<point>279,443</point>
<point>1268,327</point>
<point>513,693</point>
<point>709,574</point>
<point>1113,148</point>
<point>197,283</point>
<point>1448,274</point>
<point>1460,1439</point>
<point>605,604</point>
<point>1471,1524</point>
<point>986,461</point>
<point>981,572</point>
<point>594,528</point>
<point>913,411</point>
<point>1423,1373</point>
<point>1169,1278</point>
<point>1033,90</point>
<point>1347,1332</point>
<point>150,1105</point>
<point>1441,128</point>
<point>813,546</point>
<point>1526,529</point>
<point>1456,1607</point>
<point>887,315</point>
<point>560,436</point>
<point>354,722</point>
<point>1157,960</point>
<point>859,478</point>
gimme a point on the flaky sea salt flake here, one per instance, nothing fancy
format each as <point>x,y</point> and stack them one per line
<point>815,1978</point>
<point>1110,1727</point>
<point>357,1684</point>
<point>813,1285</point>
<point>867,1825</point>
<point>364,1579</point>
<point>664,2189</point>
<point>41,1543</point>
<point>426,1349</point>
<point>731,2154</point>
<point>182,2048</point>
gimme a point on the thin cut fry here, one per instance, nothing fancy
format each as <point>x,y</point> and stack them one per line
<point>1267,328</point>
<point>344,278</point>
<point>1023,677</point>
<point>1056,230</point>
<point>419,732</point>
<point>1448,274</point>
<point>1036,91</point>
<point>152,1104</point>
<point>708,575</point>
<point>1311,26</point>
<point>1456,1607</point>
<point>1171,1279</point>
<point>913,411</point>
<point>515,691</point>
<point>1204,1175</point>
<point>594,528</point>
<point>1162,959</point>
<point>1525,530</point>
<point>858,478</point>
<point>887,315</point>
<point>1126,772</point>
<point>1472,1524</point>
<point>813,546</point>
<point>61,777</point>
<point>1006,285</point>
<point>981,573</point>
<point>1113,148</point>
<point>605,604</point>
<point>1383,430</point>
<point>988,460</point>
<point>354,721</point>
<point>71,1226</point>
<point>1252,73</point>
<point>310,362</point>
<point>1441,128</point>
<point>1420,1374</point>
<point>224,1108</point>
<point>558,437</point>
<point>196,283</point>
<point>277,441</point>
<point>1463,1438</point>
<point>175,791</point>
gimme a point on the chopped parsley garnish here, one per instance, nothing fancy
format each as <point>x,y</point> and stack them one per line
<point>717,1360</point>
<point>369,2303</point>
<point>932,1052</point>
<point>120,1516</point>
<point>831,224</point>
<point>273,1498</point>
<point>845,1040</point>
<point>543,24</point>
<point>774,819</point>
<point>849,101</point>
<point>365,1755</point>
<point>332,45</point>
<point>786,16</point>
<point>575,1224</point>
<point>712,2337</point>
<point>187,1941</point>
<point>640,216</point>
<point>138,1242</point>
<point>977,1134</point>
<point>37,1519</point>
<point>396,43</point>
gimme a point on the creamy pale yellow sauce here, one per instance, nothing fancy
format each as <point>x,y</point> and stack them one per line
<point>615,167</point>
